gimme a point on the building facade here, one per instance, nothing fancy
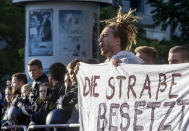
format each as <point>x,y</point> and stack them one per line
<point>143,10</point>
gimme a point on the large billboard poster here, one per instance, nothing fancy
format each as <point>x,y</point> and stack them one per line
<point>40,32</point>
<point>74,33</point>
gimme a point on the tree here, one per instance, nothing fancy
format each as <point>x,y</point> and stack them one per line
<point>12,30</point>
<point>173,13</point>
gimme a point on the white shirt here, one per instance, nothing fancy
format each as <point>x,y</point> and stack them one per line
<point>127,57</point>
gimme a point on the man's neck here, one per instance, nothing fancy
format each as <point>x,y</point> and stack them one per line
<point>110,56</point>
<point>39,77</point>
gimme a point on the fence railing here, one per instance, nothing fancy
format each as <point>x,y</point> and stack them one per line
<point>14,127</point>
<point>54,126</point>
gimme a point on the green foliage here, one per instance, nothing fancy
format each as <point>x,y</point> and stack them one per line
<point>107,13</point>
<point>173,13</point>
<point>12,30</point>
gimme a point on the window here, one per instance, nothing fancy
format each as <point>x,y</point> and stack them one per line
<point>138,5</point>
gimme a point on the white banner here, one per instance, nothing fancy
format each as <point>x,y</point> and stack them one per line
<point>133,97</point>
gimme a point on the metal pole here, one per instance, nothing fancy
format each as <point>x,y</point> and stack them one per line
<point>14,126</point>
<point>53,126</point>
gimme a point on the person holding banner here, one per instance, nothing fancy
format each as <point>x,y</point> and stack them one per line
<point>178,54</point>
<point>117,38</point>
<point>56,79</point>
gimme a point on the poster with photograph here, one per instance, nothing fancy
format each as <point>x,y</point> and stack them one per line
<point>74,33</point>
<point>40,32</point>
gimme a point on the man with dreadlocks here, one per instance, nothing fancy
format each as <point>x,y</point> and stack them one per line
<point>117,38</point>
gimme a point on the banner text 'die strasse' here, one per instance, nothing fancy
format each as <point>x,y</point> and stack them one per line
<point>133,97</point>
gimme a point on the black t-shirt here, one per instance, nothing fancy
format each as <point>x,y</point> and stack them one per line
<point>34,93</point>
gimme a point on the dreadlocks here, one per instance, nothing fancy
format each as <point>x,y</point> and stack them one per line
<point>123,27</point>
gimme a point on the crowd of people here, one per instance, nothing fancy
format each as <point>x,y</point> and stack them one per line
<point>47,97</point>
<point>53,99</point>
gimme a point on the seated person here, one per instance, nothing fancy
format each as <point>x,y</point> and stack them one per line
<point>8,97</point>
<point>56,80</point>
<point>67,101</point>
<point>23,103</point>
<point>42,106</point>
